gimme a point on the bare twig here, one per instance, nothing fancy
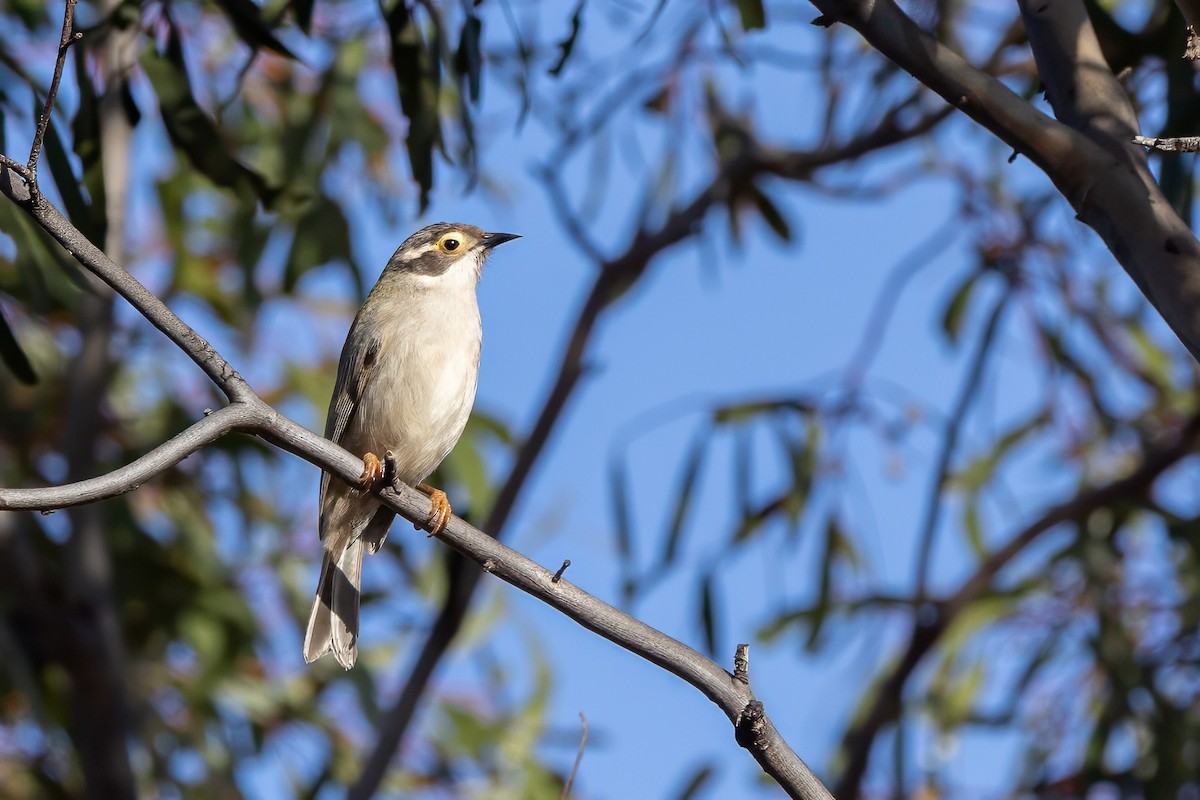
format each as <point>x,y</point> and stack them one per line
<point>958,414</point>
<point>558,574</point>
<point>566,792</point>
<point>68,38</point>
<point>741,664</point>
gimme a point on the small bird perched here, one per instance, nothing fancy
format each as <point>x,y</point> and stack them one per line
<point>405,386</point>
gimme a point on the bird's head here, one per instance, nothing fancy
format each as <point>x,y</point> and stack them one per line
<point>446,249</point>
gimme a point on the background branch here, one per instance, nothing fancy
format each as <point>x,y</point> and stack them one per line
<point>934,619</point>
<point>1106,180</point>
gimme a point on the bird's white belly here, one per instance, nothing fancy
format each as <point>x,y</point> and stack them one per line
<point>421,391</point>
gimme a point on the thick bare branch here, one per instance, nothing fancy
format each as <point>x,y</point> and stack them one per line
<point>1110,187</point>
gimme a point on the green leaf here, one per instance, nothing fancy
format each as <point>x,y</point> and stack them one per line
<point>973,529</point>
<point>303,10</point>
<point>247,20</point>
<point>820,609</point>
<point>618,493</point>
<point>683,499</point>
<point>465,465</point>
<point>78,210</point>
<point>566,46</point>
<point>771,214</point>
<point>696,783</point>
<point>12,355</point>
<point>85,141</point>
<point>955,313</point>
<point>708,613</point>
<point>418,80</point>
<point>322,236</point>
<point>752,14</point>
<point>468,59</point>
<point>190,128</point>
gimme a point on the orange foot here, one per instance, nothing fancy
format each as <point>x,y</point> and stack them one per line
<point>372,472</point>
<point>440,515</point>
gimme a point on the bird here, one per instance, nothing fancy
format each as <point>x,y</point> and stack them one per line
<point>405,387</point>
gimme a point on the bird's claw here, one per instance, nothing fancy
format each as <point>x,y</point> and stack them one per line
<point>372,472</point>
<point>439,515</point>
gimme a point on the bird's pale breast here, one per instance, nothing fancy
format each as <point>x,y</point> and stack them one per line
<point>423,387</point>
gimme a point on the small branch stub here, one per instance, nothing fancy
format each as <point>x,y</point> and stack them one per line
<point>750,725</point>
<point>741,664</point>
<point>558,575</point>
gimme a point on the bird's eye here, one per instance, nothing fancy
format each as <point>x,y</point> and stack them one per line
<point>450,244</point>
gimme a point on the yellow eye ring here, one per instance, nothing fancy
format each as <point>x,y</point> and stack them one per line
<point>450,242</point>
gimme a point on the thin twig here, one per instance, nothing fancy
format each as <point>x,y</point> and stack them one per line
<point>967,392</point>
<point>68,38</point>
<point>566,792</point>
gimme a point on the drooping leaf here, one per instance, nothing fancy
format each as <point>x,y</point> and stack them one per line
<point>12,354</point>
<point>956,309</point>
<point>771,214</point>
<point>78,209</point>
<point>829,553</point>
<point>566,46</point>
<point>303,9</point>
<point>468,59</point>
<point>708,613</point>
<point>697,782</point>
<point>247,20</point>
<point>85,141</point>
<point>752,14</point>
<point>618,492</point>
<point>191,129</point>
<point>418,79</point>
<point>683,498</point>
<point>322,236</point>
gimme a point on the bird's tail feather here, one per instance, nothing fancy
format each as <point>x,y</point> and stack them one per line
<point>333,623</point>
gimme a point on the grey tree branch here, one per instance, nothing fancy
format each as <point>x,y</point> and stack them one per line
<point>133,475</point>
<point>1107,181</point>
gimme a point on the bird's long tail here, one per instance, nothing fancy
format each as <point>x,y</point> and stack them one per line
<point>333,624</point>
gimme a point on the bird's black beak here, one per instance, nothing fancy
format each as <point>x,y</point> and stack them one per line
<point>490,240</point>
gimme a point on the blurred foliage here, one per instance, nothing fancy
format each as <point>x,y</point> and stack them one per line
<point>262,132</point>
